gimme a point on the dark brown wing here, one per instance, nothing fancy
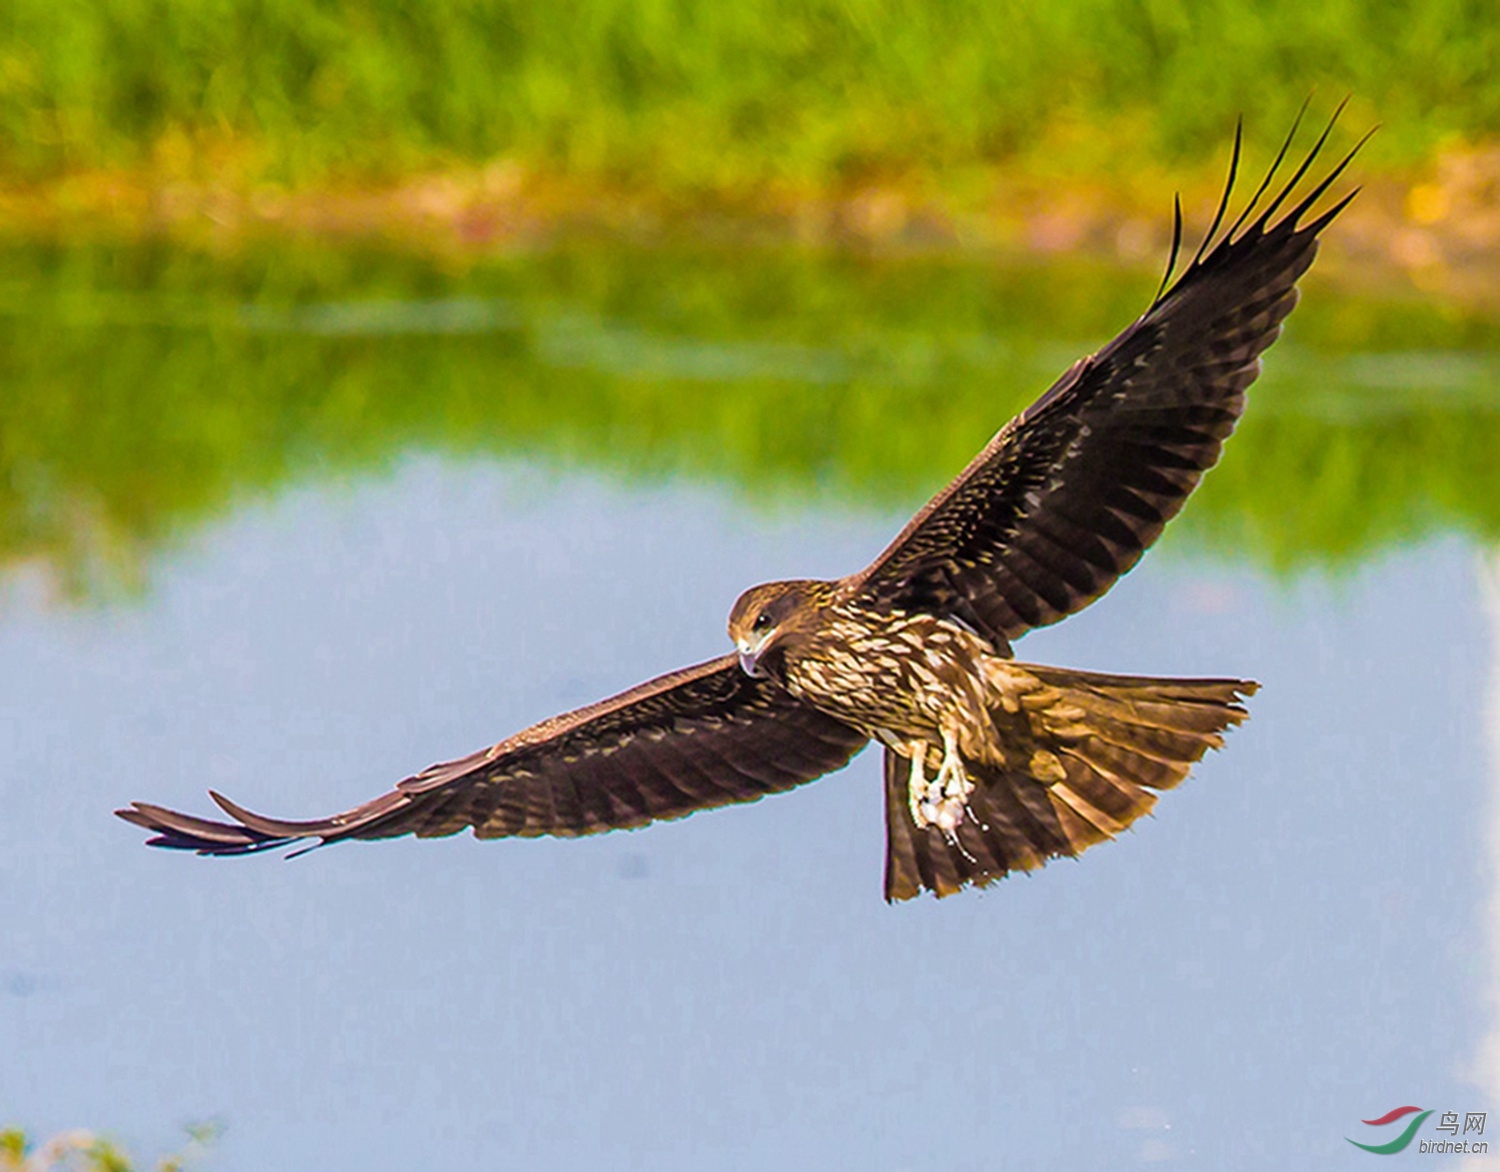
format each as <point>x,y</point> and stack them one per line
<point>1070,493</point>
<point>697,738</point>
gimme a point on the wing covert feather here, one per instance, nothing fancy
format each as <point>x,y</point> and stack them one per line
<point>1070,493</point>
<point>694,739</point>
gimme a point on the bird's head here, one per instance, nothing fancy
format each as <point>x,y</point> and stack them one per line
<point>767,616</point>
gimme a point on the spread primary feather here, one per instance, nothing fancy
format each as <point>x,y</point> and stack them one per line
<point>991,765</point>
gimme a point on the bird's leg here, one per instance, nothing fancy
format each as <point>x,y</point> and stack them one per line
<point>954,780</point>
<point>916,786</point>
<point>942,801</point>
<point>954,783</point>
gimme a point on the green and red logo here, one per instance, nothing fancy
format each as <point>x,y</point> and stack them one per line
<point>1473,1124</point>
<point>1398,1144</point>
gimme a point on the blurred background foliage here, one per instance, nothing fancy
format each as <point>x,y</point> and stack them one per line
<point>83,1151</point>
<point>151,389</point>
<point>690,98</point>
<point>154,379</point>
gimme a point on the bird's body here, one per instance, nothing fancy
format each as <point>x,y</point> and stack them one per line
<point>899,677</point>
<point>993,758</point>
<point>889,674</point>
<point>930,691</point>
<point>991,764</point>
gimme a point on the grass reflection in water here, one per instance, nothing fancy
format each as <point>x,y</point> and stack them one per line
<point>148,390</point>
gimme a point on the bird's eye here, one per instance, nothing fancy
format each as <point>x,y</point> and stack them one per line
<point>763,620</point>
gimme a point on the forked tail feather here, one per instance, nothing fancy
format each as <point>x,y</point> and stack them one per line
<point>1117,739</point>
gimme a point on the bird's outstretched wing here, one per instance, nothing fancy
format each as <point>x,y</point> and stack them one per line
<point>700,737</point>
<point>1069,494</point>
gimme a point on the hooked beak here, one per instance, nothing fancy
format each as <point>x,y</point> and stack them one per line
<point>750,656</point>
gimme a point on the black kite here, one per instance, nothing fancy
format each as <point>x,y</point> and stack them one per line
<point>991,765</point>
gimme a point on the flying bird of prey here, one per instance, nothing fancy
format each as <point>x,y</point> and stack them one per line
<point>991,764</point>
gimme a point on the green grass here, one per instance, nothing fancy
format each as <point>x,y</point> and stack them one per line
<point>694,99</point>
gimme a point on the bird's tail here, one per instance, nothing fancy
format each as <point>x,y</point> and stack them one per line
<point>1081,755</point>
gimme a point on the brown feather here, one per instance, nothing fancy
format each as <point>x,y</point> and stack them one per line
<point>1071,492</point>
<point>1016,822</point>
<point>914,649</point>
<point>697,738</point>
